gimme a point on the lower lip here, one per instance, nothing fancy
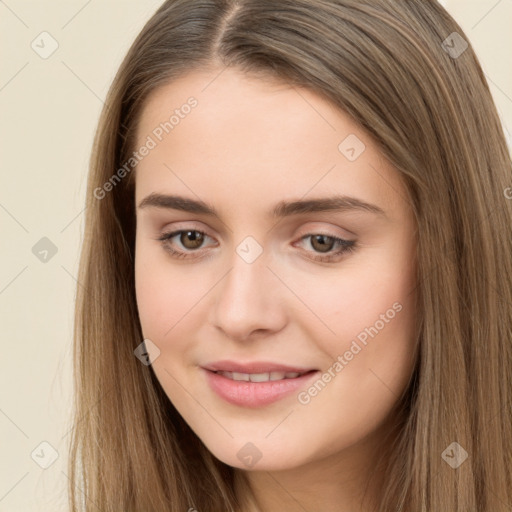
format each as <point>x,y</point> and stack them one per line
<point>255,394</point>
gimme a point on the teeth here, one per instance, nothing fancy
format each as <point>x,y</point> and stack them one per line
<point>240,376</point>
<point>259,377</point>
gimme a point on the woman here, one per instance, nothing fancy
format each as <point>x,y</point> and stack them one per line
<point>297,267</point>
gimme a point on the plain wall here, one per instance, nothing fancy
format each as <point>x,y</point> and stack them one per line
<point>49,110</point>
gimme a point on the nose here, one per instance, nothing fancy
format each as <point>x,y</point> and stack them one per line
<point>249,301</point>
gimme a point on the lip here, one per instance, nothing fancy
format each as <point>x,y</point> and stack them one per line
<point>255,394</point>
<point>254,367</point>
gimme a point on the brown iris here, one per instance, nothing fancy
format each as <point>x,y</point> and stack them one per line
<point>195,238</point>
<point>319,242</point>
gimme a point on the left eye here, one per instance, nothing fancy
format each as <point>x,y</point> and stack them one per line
<point>192,240</point>
<point>325,244</point>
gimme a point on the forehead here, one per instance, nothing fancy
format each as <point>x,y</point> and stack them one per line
<point>228,98</point>
<point>261,138</point>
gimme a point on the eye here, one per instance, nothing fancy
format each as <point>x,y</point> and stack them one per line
<point>190,239</point>
<point>324,243</point>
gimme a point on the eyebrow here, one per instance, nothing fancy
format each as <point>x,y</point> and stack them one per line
<point>339,203</point>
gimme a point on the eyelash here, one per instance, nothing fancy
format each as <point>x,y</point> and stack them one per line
<point>347,246</point>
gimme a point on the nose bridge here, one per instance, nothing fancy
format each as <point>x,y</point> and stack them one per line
<point>247,280</point>
<point>246,300</point>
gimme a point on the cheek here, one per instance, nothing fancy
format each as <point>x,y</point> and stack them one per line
<point>169,301</point>
<point>165,301</point>
<point>356,298</point>
<point>378,347</point>
<point>164,294</point>
<point>369,361</point>
<point>368,312</point>
<point>173,304</point>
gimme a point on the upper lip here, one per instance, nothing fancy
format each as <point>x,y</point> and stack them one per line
<point>254,367</point>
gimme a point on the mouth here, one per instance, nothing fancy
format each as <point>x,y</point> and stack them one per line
<point>261,377</point>
<point>256,384</point>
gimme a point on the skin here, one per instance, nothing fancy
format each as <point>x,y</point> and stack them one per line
<point>246,146</point>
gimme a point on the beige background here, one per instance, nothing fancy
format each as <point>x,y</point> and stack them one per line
<point>49,109</point>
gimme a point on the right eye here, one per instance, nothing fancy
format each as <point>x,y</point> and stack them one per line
<point>190,240</point>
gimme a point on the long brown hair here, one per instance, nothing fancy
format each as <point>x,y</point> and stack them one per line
<point>407,73</point>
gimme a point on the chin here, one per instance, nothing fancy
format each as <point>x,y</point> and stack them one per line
<point>260,455</point>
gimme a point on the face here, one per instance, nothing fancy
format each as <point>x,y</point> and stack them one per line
<point>274,268</point>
